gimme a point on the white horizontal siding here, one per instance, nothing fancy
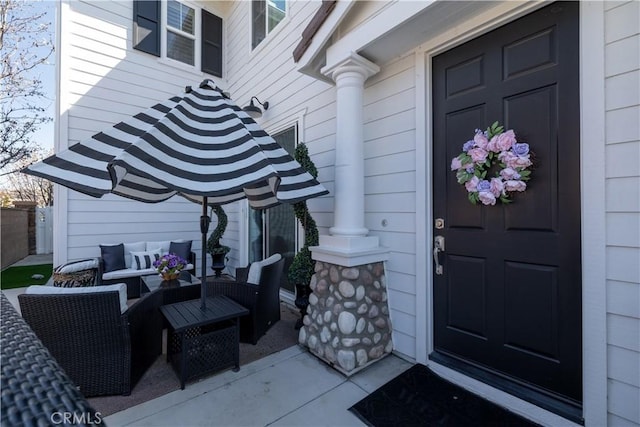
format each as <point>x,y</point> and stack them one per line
<point>622,171</point>
<point>623,400</point>
<point>389,151</point>
<point>623,365</point>
<point>622,298</point>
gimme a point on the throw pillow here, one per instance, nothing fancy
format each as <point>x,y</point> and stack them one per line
<point>255,269</point>
<point>113,257</point>
<point>133,247</point>
<point>76,274</point>
<point>182,249</point>
<point>144,260</point>
<point>73,266</point>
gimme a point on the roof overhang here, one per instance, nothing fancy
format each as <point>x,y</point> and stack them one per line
<point>314,58</point>
<point>398,28</point>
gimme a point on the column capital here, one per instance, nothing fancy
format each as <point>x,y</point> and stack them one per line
<point>352,63</point>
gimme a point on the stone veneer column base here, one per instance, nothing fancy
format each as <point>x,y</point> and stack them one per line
<point>347,323</point>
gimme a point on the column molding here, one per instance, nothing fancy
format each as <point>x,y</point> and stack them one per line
<point>352,62</point>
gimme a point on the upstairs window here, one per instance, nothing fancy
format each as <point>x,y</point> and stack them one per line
<point>181,39</point>
<point>190,35</point>
<point>265,16</point>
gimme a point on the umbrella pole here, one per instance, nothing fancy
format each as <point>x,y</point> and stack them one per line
<point>204,229</point>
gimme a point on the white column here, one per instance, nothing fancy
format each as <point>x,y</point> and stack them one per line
<point>348,243</point>
<point>350,76</point>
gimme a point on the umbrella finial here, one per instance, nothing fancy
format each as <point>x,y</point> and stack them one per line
<point>209,84</point>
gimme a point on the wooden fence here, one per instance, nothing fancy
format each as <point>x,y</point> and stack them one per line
<point>17,233</point>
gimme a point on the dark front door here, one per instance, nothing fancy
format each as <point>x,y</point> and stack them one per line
<point>507,306</point>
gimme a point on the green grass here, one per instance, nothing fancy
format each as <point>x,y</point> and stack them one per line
<point>18,277</point>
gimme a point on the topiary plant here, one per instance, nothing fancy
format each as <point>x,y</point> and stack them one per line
<point>213,243</point>
<point>303,265</point>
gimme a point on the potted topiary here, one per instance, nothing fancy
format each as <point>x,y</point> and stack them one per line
<point>218,251</point>
<point>302,266</point>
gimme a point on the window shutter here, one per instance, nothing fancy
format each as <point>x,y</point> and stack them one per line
<point>211,44</point>
<point>146,26</point>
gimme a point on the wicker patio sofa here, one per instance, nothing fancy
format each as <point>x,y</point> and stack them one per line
<point>104,348</point>
<point>127,272</point>
<point>262,299</point>
<point>36,391</point>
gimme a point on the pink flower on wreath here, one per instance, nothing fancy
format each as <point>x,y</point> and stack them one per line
<point>456,164</point>
<point>478,155</point>
<point>509,173</point>
<point>506,140</point>
<point>472,184</point>
<point>480,139</point>
<point>492,145</point>
<point>487,198</point>
<point>497,187</point>
<point>522,162</point>
<point>508,158</point>
<point>513,185</point>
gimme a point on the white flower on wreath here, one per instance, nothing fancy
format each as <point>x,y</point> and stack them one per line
<point>481,153</point>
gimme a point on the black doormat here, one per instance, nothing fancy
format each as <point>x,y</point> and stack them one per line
<point>419,397</point>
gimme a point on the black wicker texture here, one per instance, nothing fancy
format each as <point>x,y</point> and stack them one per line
<point>205,351</point>
<point>262,300</point>
<point>35,389</point>
<point>103,351</point>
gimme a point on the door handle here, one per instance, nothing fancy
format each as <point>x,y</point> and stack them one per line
<point>438,246</point>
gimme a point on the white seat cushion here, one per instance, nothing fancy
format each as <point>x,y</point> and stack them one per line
<point>121,288</point>
<point>255,269</point>
<point>128,272</point>
<point>132,272</point>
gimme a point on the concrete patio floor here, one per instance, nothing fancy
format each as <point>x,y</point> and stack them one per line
<point>289,388</point>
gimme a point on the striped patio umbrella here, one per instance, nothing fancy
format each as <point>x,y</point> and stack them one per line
<point>199,145</point>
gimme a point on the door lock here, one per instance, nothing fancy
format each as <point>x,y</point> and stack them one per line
<point>438,246</point>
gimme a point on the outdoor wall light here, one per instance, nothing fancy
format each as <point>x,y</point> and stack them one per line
<point>254,111</point>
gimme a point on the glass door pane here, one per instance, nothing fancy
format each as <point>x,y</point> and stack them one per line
<point>275,230</point>
<point>256,233</point>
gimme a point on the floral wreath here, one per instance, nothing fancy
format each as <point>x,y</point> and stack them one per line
<point>481,153</point>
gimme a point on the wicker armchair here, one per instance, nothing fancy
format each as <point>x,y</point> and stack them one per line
<point>102,350</point>
<point>262,300</point>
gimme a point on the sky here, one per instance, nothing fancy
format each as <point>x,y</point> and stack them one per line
<point>44,136</point>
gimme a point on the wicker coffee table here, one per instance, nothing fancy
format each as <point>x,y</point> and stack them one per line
<point>202,341</point>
